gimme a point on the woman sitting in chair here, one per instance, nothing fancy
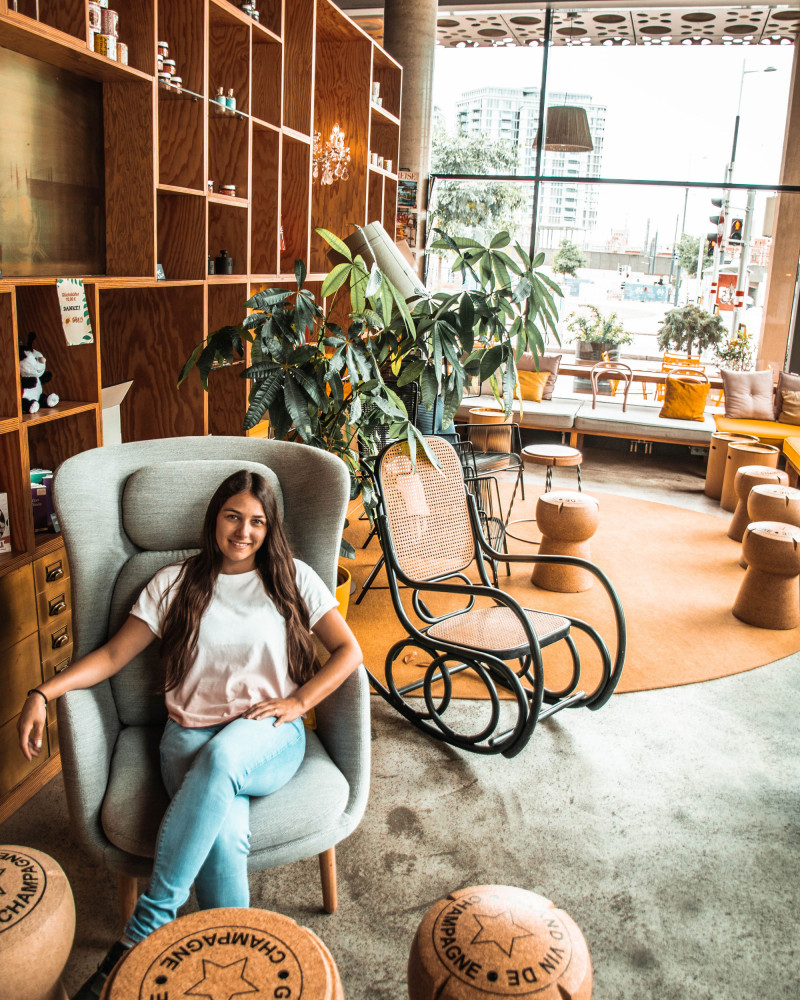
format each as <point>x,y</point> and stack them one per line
<point>238,670</point>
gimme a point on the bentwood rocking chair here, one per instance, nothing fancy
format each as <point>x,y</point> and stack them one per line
<point>429,528</point>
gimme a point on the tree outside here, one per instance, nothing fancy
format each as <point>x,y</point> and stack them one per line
<point>688,248</point>
<point>568,259</point>
<point>476,209</point>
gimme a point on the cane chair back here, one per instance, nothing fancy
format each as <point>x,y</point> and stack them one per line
<point>433,527</point>
<point>424,504</point>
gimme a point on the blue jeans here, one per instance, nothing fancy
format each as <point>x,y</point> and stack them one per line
<point>204,838</point>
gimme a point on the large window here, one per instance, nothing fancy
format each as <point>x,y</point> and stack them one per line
<point>678,121</point>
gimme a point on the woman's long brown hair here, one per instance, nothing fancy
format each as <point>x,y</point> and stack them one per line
<point>194,587</point>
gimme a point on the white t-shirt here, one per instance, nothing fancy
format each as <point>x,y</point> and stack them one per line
<point>241,647</point>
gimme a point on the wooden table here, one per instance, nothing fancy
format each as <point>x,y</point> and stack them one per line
<point>639,374</point>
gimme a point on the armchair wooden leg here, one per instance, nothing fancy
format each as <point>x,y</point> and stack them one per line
<point>327,871</point>
<point>128,894</point>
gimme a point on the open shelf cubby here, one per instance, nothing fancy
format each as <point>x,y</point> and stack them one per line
<point>265,99</point>
<point>295,196</point>
<point>264,201</point>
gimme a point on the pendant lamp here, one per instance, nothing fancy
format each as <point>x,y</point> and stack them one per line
<point>567,130</point>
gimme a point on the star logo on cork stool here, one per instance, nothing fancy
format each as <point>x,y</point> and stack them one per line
<point>500,929</point>
<point>222,982</point>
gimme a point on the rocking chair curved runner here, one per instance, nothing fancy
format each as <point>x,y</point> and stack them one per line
<point>430,532</point>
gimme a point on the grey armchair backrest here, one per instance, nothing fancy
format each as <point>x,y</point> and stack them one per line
<point>129,509</point>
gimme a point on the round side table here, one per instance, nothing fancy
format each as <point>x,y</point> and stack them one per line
<point>553,455</point>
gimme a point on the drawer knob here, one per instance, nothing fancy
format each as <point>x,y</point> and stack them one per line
<point>60,640</point>
<point>54,573</point>
<point>57,607</point>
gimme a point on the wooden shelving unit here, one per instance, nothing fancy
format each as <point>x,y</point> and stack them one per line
<point>303,68</point>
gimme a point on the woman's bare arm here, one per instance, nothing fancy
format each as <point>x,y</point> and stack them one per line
<point>109,659</point>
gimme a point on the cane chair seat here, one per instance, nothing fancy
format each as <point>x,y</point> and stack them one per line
<point>499,630</point>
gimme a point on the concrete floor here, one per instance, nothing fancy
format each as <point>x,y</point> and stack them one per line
<point>667,825</point>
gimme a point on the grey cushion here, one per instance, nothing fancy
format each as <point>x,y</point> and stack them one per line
<point>642,422</point>
<point>164,505</point>
<point>305,807</point>
<point>555,414</point>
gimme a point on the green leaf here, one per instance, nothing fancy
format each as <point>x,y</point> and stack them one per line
<point>411,372</point>
<point>501,272</point>
<point>499,241</point>
<point>346,550</point>
<point>190,363</point>
<point>429,387</point>
<point>267,298</point>
<point>491,361</point>
<point>538,260</point>
<point>358,284</point>
<point>297,405</point>
<point>425,446</point>
<point>261,398</point>
<point>336,243</point>
<point>299,273</point>
<point>375,281</point>
<point>334,281</point>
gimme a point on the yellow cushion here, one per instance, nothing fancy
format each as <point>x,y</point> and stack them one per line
<point>684,400</point>
<point>766,430</point>
<point>532,384</point>
<point>790,407</point>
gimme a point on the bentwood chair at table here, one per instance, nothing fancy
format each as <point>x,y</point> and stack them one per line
<point>126,511</point>
<point>429,528</point>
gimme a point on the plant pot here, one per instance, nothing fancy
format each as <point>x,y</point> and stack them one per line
<point>487,415</point>
<point>343,589</point>
<point>585,351</point>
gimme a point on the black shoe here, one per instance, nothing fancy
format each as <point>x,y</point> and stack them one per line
<point>93,986</point>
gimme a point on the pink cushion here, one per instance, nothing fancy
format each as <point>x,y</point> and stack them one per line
<point>788,381</point>
<point>547,363</point>
<point>748,395</point>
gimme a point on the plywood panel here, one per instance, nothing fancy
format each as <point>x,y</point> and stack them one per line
<point>14,482</point>
<point>68,16</point>
<point>181,23</point>
<point>180,140</point>
<point>295,193</point>
<point>148,334</point>
<point>51,170</point>
<point>227,230</point>
<point>228,151</point>
<point>298,50</point>
<point>137,30</point>
<point>52,442</point>
<point>267,78</point>
<point>128,114</point>
<point>390,77</point>
<point>9,386</point>
<point>264,202</point>
<point>229,59</point>
<point>182,235</point>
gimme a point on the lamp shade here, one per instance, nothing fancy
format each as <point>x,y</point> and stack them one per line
<point>568,130</point>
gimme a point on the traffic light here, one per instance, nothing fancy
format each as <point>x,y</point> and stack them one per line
<point>719,219</point>
<point>712,243</point>
<point>736,231</point>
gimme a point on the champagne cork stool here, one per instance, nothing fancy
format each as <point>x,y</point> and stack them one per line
<point>744,453</point>
<point>717,455</point>
<point>769,596</point>
<point>491,941</point>
<point>567,520</point>
<point>769,502</point>
<point>745,479</point>
<point>37,924</point>
<point>551,455</point>
<point>227,953</point>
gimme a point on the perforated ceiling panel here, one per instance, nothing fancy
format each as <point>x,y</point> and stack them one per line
<point>524,25</point>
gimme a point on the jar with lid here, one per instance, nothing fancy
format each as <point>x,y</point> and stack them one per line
<point>230,101</point>
<point>219,97</point>
<point>228,189</point>
<point>223,264</point>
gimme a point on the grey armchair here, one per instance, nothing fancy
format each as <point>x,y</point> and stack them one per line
<point>125,511</point>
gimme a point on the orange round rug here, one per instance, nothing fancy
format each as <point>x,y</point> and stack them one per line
<point>676,572</point>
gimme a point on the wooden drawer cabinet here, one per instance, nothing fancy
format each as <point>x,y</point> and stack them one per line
<point>35,644</point>
<point>17,607</point>
<point>20,670</point>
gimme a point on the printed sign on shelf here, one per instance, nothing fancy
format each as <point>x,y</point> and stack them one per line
<point>74,311</point>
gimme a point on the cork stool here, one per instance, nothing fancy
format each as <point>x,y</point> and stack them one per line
<point>769,596</point>
<point>227,953</point>
<point>491,941</point>
<point>37,924</point>
<point>745,479</point>
<point>769,502</point>
<point>567,521</point>
<point>744,453</point>
<point>717,455</point>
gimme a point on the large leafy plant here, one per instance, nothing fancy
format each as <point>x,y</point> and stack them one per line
<point>592,327</point>
<point>691,326</point>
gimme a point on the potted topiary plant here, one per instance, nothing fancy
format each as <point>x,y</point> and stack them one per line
<point>595,334</point>
<point>691,326</point>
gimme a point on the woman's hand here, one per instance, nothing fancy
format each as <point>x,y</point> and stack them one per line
<point>281,709</point>
<point>31,726</point>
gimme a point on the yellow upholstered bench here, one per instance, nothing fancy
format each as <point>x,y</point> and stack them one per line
<point>791,450</point>
<point>768,431</point>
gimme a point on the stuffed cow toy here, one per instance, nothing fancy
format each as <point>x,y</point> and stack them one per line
<point>33,377</point>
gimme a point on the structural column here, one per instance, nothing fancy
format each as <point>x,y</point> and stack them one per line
<point>409,36</point>
<point>785,241</point>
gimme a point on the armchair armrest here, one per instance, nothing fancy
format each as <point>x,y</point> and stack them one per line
<point>89,726</point>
